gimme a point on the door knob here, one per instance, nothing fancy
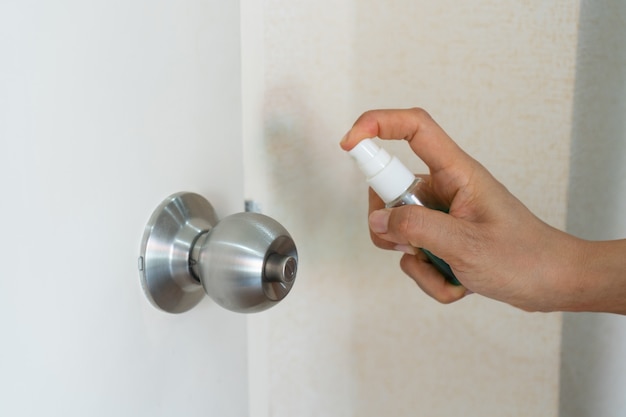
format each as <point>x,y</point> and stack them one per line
<point>246,262</point>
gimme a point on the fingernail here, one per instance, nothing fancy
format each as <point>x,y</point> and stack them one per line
<point>378,221</point>
<point>406,249</point>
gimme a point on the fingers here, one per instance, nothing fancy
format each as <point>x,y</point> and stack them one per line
<point>409,227</point>
<point>424,135</point>
<point>375,203</point>
<point>430,280</point>
<point>419,227</point>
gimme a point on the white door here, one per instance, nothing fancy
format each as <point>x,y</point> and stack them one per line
<point>106,108</point>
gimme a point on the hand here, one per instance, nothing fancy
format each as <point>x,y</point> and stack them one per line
<point>493,243</point>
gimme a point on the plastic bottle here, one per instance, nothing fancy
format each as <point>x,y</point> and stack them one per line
<point>396,185</point>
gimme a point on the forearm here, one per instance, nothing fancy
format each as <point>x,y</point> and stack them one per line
<point>598,281</point>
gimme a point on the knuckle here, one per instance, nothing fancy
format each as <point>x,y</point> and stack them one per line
<point>473,244</point>
<point>368,121</point>
<point>420,114</point>
<point>409,221</point>
<point>404,224</point>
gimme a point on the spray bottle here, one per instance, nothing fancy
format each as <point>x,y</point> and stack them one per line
<point>396,185</point>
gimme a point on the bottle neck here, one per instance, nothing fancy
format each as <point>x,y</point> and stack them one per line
<point>408,197</point>
<point>391,181</point>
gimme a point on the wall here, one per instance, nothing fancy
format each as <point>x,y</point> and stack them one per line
<point>356,337</point>
<point>106,108</point>
<point>593,367</point>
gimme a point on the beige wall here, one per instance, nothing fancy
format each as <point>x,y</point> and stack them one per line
<point>355,337</point>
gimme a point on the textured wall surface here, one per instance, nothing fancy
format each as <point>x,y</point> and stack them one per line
<point>593,374</point>
<point>356,337</point>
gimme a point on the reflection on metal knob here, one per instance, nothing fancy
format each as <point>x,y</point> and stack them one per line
<point>246,262</point>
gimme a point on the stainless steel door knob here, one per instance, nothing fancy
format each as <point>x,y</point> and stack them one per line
<point>246,262</point>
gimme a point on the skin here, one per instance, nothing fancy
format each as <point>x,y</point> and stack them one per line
<point>494,244</point>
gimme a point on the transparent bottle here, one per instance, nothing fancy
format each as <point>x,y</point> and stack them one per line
<point>396,185</point>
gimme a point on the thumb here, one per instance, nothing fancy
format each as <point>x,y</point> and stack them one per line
<point>421,227</point>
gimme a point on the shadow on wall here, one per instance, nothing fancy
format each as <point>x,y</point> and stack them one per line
<point>315,183</point>
<point>593,368</point>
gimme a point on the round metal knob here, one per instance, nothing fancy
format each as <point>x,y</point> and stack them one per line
<point>246,262</point>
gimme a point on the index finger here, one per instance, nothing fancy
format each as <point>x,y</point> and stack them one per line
<point>426,138</point>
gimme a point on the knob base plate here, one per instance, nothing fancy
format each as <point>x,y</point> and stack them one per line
<point>164,261</point>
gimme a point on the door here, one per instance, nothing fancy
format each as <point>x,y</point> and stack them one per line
<point>106,108</point>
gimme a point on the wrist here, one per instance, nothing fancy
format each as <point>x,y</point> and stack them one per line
<point>597,277</point>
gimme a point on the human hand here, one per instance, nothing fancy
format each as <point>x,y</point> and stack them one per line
<point>493,243</point>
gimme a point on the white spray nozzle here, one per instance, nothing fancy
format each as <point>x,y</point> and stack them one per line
<point>370,157</point>
<point>385,174</point>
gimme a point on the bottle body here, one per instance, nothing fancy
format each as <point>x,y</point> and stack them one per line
<point>414,195</point>
<point>396,185</point>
